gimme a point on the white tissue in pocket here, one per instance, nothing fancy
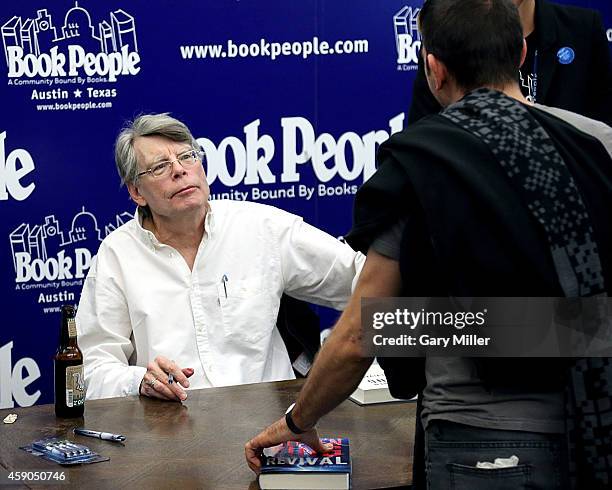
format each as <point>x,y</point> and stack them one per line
<point>499,463</point>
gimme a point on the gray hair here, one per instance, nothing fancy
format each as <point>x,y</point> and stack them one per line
<point>147,125</point>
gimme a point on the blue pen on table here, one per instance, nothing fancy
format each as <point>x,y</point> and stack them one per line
<point>106,436</point>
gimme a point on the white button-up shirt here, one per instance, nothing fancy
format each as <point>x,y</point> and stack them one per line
<point>140,299</point>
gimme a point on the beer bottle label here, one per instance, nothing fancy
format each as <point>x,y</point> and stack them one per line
<point>72,331</point>
<point>75,386</point>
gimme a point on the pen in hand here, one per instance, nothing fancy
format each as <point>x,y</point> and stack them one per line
<point>106,436</point>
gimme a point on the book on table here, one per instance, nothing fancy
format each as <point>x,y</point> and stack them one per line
<point>373,388</point>
<point>294,465</point>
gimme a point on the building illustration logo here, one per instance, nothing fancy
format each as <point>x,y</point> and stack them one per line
<point>407,38</point>
<point>36,47</point>
<point>45,252</point>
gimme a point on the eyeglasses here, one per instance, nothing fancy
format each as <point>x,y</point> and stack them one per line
<point>186,159</point>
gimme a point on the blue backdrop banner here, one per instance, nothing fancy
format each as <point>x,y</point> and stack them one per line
<point>290,101</point>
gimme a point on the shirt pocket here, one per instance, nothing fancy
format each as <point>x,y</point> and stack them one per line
<point>246,310</point>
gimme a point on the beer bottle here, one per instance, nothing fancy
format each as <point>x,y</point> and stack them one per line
<point>68,366</point>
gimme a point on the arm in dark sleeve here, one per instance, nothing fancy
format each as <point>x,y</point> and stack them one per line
<point>601,74</point>
<point>388,243</point>
<point>423,102</point>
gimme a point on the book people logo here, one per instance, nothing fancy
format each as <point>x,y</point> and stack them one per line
<point>407,38</point>
<point>44,256</point>
<point>36,47</point>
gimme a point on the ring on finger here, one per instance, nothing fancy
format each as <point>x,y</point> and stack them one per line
<point>152,382</point>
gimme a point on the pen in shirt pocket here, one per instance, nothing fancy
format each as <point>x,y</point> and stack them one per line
<point>224,281</point>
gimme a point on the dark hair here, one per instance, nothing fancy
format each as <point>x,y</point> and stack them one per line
<point>479,41</point>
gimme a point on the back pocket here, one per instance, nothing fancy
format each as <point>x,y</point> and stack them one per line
<point>463,477</point>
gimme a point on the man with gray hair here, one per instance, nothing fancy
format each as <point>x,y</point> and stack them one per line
<point>191,288</point>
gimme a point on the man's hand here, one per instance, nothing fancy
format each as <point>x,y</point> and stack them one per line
<point>339,366</point>
<point>275,434</point>
<point>155,381</point>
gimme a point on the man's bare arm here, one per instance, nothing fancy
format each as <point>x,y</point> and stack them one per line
<point>339,366</point>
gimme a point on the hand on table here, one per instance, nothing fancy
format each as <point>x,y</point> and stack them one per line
<point>155,382</point>
<point>275,434</point>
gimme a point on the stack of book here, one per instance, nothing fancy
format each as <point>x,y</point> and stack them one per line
<point>294,465</point>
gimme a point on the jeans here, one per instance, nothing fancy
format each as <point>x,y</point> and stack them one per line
<point>452,451</point>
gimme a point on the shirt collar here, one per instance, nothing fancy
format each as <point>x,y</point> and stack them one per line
<point>149,237</point>
<point>209,221</point>
<point>146,236</point>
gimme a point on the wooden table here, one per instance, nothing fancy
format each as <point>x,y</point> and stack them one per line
<point>199,444</point>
